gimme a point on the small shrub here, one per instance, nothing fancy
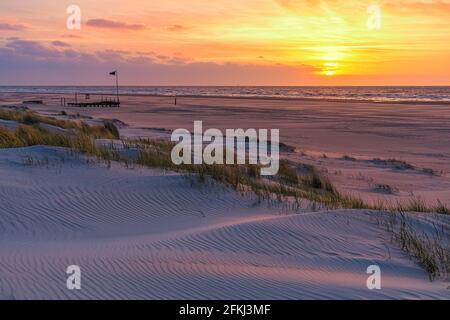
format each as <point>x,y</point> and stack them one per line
<point>111,127</point>
<point>384,188</point>
<point>441,208</point>
<point>415,204</point>
<point>287,173</point>
<point>316,181</point>
<point>8,139</point>
<point>30,119</point>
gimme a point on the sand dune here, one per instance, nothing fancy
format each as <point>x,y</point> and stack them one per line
<point>322,132</point>
<point>151,234</point>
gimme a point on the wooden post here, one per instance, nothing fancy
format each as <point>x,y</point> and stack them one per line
<point>117,85</point>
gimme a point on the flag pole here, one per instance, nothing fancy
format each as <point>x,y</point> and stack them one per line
<point>117,85</point>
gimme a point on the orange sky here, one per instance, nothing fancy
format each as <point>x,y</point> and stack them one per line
<point>228,42</point>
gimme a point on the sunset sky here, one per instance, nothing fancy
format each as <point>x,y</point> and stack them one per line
<point>226,42</point>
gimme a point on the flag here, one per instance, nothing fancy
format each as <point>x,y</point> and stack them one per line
<point>113,73</point>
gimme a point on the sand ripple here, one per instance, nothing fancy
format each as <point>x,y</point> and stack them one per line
<point>147,234</point>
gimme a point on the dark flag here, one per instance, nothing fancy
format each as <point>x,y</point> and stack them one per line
<point>113,73</point>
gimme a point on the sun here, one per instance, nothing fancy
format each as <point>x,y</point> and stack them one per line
<point>329,68</point>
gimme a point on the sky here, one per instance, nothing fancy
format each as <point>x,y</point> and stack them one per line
<point>225,42</point>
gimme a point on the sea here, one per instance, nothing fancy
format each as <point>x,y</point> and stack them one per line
<point>378,94</point>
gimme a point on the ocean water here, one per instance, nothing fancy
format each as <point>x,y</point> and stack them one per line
<point>382,94</point>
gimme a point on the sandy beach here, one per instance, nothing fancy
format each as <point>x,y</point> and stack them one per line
<point>364,148</point>
<point>143,233</point>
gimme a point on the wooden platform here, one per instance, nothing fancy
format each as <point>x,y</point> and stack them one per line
<point>95,104</point>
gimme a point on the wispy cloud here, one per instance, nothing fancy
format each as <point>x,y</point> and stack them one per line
<point>12,27</point>
<point>32,62</point>
<point>71,36</point>
<point>176,27</point>
<point>58,43</point>
<point>110,24</point>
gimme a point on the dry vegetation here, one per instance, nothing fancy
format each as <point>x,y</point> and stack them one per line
<point>29,119</point>
<point>429,249</point>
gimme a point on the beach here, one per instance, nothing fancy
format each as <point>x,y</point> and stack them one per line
<point>143,233</point>
<point>362,147</point>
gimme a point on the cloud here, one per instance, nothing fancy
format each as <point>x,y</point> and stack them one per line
<point>110,24</point>
<point>71,36</point>
<point>58,43</point>
<point>162,57</point>
<point>12,27</point>
<point>146,53</point>
<point>176,27</point>
<point>295,5</point>
<point>29,53</point>
<point>27,62</point>
<point>29,48</point>
<point>426,7</point>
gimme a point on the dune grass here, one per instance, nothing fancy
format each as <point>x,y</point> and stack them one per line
<point>26,135</point>
<point>431,250</point>
<point>287,173</point>
<point>9,139</point>
<point>28,118</point>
